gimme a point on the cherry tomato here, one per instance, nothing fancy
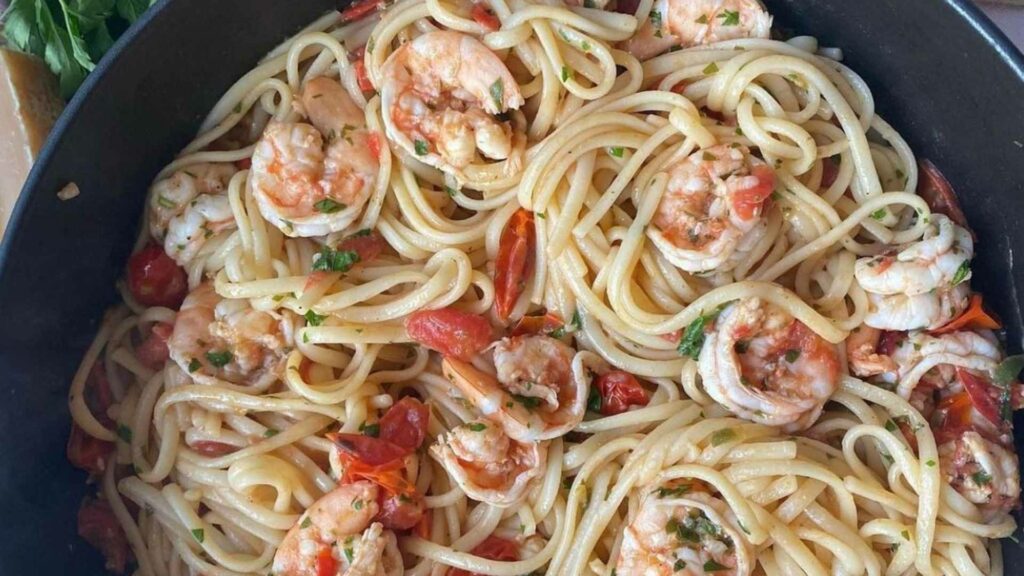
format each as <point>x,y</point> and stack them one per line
<point>449,331</point>
<point>153,352</point>
<point>974,317</point>
<point>536,324</point>
<point>400,512</point>
<point>514,263</point>
<point>956,417</point>
<point>98,526</point>
<point>485,18</point>
<point>937,192</point>
<point>88,453</point>
<point>368,246</point>
<point>213,448</point>
<point>405,424</point>
<point>983,394</point>
<point>748,202</point>
<point>326,563</point>
<point>359,10</point>
<point>367,449</point>
<point>620,390</point>
<point>154,279</point>
<point>492,548</point>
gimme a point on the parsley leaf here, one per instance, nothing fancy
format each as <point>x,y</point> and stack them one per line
<point>497,91</point>
<point>693,338</point>
<point>722,436</point>
<point>567,73</point>
<point>328,206</point>
<point>421,147</point>
<point>594,400</point>
<point>370,429</point>
<point>220,358</point>
<point>730,17</point>
<point>616,151</point>
<point>712,566</point>
<point>124,433</point>
<point>194,365</point>
<point>962,273</point>
<point>199,535</point>
<point>710,69</point>
<point>314,319</point>
<point>879,214</point>
<point>981,478</point>
<point>330,260</point>
<point>477,426</point>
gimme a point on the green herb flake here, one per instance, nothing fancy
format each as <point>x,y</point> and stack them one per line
<point>194,365</point>
<point>594,400</point>
<point>358,504</point>
<point>199,535</point>
<point>306,522</point>
<point>730,17</point>
<point>723,436</point>
<point>567,73</point>
<point>421,147</point>
<point>370,429</point>
<point>528,402</point>
<point>702,20</point>
<point>656,19</point>
<point>328,206</point>
<point>497,91</point>
<point>673,491</point>
<point>905,534</point>
<point>451,191</point>
<point>679,565</point>
<point>314,319</point>
<point>165,202</point>
<point>692,339</point>
<point>219,359</point>
<point>710,69</point>
<point>576,322</point>
<point>962,273</point>
<point>330,260</point>
<point>477,426</point>
<point>879,214</point>
<point>930,463</point>
<point>350,554</point>
<point>616,151</point>
<point>891,426</point>
<point>981,478</point>
<point>792,355</point>
<point>712,566</point>
<point>124,433</point>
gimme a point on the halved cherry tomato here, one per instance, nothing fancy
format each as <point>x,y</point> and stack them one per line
<point>390,476</point>
<point>98,526</point>
<point>536,324</point>
<point>359,10</point>
<point>956,417</point>
<point>213,448</point>
<point>367,245</point>
<point>974,317</point>
<point>492,548</point>
<point>326,563</point>
<point>98,396</point>
<point>937,192</point>
<point>449,331</point>
<point>153,352</point>
<point>620,390</point>
<point>88,453</point>
<point>484,17</point>
<point>154,279</point>
<point>399,511</point>
<point>405,424</point>
<point>514,263</point>
<point>748,202</point>
<point>984,395</point>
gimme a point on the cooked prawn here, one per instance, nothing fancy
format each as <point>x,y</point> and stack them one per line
<point>863,354</point>
<point>537,394</point>
<point>924,284</point>
<point>443,98</point>
<point>189,207</point>
<point>311,180</point>
<point>922,356</point>
<point>487,464</point>
<point>982,471</point>
<point>766,366</point>
<point>713,203</point>
<point>680,529</point>
<point>337,536</point>
<point>688,23</point>
<point>217,339</point>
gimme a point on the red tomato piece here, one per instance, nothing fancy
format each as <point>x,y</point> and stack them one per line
<point>423,527</point>
<point>367,449</point>
<point>368,246</point>
<point>620,390</point>
<point>88,453</point>
<point>98,396</point>
<point>212,448</point>
<point>405,424</point>
<point>153,352</point>
<point>400,512</point>
<point>326,563</point>
<point>362,77</point>
<point>536,324</point>
<point>937,192</point>
<point>514,263</point>
<point>956,417</point>
<point>98,526</point>
<point>449,331</point>
<point>627,6</point>
<point>373,141</point>
<point>485,18</point>
<point>983,394</point>
<point>830,171</point>
<point>359,10</point>
<point>748,202</point>
<point>974,317</point>
<point>154,279</point>
<point>492,548</point>
<point>243,164</point>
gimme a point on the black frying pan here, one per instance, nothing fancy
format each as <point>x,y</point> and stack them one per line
<point>941,73</point>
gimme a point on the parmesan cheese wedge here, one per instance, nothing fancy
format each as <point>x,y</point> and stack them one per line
<point>29,105</point>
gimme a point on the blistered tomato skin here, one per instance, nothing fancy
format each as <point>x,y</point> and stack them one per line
<point>449,331</point>
<point>154,279</point>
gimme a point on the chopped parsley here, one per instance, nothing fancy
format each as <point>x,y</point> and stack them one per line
<point>271,432</point>
<point>330,260</point>
<point>194,365</point>
<point>594,400</point>
<point>421,147</point>
<point>981,478</point>
<point>328,206</point>
<point>722,436</point>
<point>165,202</point>
<point>528,402</point>
<point>693,337</point>
<point>576,323</point>
<point>567,73</point>
<point>730,17</point>
<point>656,19</point>
<point>710,69</point>
<point>199,535</point>
<point>712,566</point>
<point>450,191</point>
<point>891,426</point>
<point>314,319</point>
<point>672,491</point>
<point>306,522</point>
<point>879,214</point>
<point>962,273</point>
<point>477,426</point>
<point>350,554</point>
<point>905,534</point>
<point>358,505</point>
<point>616,151</point>
<point>370,429</point>
<point>792,355</point>
<point>219,359</point>
<point>498,93</point>
<point>679,565</point>
<point>702,20</point>
<point>930,463</point>
<point>124,433</point>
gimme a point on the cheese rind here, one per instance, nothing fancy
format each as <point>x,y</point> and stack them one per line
<point>29,106</point>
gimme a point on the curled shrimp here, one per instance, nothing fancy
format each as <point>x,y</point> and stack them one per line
<point>337,536</point>
<point>680,529</point>
<point>444,96</point>
<point>982,471</point>
<point>924,284</point>
<point>866,354</point>
<point>688,23</point>
<point>487,464</point>
<point>189,207</point>
<point>217,339</point>
<point>768,367</point>
<point>713,203</point>
<point>311,180</point>
<point>935,358</point>
<point>539,391</point>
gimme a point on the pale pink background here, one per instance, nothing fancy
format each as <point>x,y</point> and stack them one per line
<point>1009,18</point>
